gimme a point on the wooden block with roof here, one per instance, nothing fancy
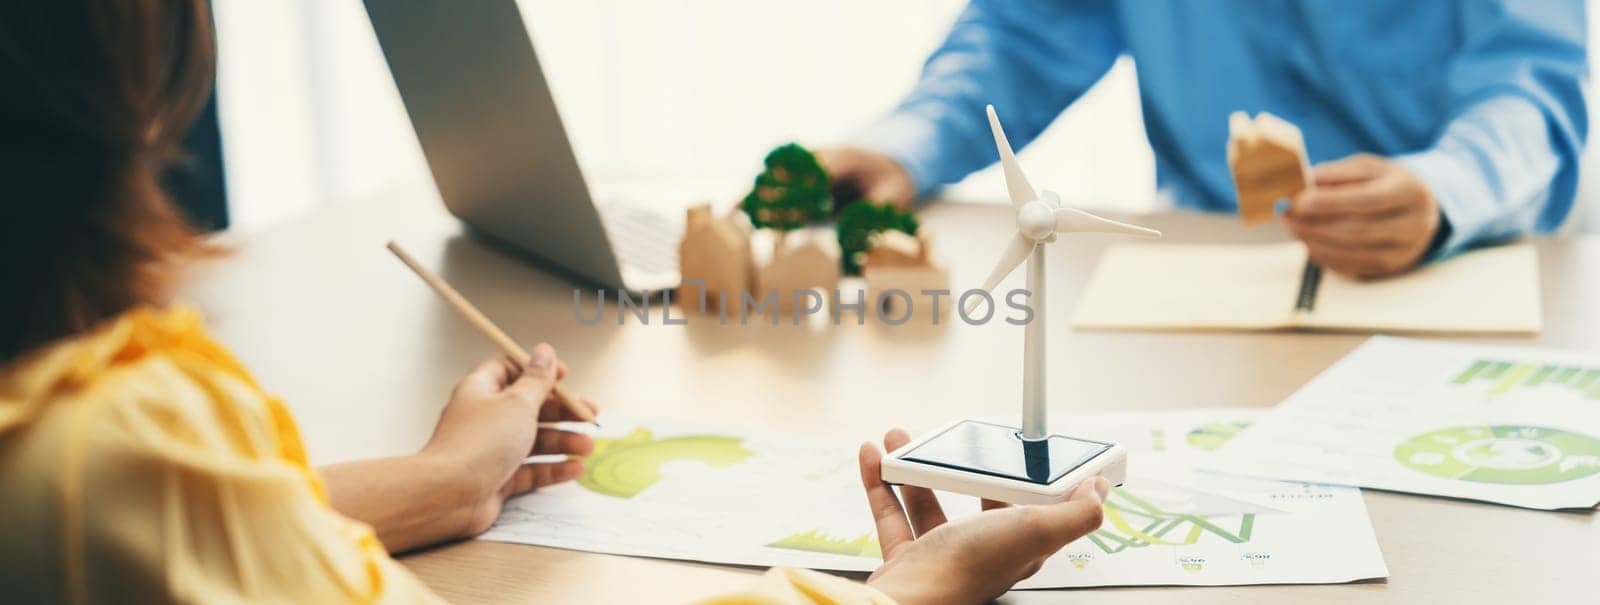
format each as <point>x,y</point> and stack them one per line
<point>900,262</point>
<point>802,259</point>
<point>1267,156</point>
<point>716,250</point>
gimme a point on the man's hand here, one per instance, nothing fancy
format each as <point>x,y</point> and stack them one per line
<point>1366,217</point>
<point>868,174</point>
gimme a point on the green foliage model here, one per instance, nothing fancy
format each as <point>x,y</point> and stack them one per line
<point>859,222</point>
<point>791,192</point>
<point>794,191</point>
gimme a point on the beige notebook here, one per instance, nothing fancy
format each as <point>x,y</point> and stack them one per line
<point>1270,286</point>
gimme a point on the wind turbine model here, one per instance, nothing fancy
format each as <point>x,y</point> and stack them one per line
<point>1026,466</point>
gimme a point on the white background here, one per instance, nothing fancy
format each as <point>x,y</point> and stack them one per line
<point>691,93</point>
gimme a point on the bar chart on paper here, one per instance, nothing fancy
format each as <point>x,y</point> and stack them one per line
<point>1501,377</point>
<point>1498,424</point>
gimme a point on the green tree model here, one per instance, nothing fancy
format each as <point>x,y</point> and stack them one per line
<point>859,222</point>
<point>795,191</point>
<point>791,193</point>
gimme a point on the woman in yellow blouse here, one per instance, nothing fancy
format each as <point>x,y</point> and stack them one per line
<point>139,461</point>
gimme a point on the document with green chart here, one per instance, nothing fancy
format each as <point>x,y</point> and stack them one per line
<point>1510,425</point>
<point>1171,525</point>
<point>724,495</point>
<point>1273,287</point>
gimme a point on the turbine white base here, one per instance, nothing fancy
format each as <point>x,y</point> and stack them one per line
<point>901,467</point>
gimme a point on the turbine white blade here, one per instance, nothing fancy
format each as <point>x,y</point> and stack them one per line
<point>1016,182</point>
<point>1072,220</point>
<point>1016,252</point>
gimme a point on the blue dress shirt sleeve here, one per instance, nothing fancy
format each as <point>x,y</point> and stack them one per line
<point>1506,163</point>
<point>1030,58</point>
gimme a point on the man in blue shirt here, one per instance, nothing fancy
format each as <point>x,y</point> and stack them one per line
<point>1433,124</point>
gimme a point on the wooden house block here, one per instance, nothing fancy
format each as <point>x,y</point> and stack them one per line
<point>1268,159</point>
<point>716,250</point>
<point>895,249</point>
<point>803,259</point>
<point>899,267</point>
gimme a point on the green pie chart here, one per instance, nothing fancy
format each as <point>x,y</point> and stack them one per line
<point>1508,454</point>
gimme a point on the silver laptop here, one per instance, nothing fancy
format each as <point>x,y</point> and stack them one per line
<point>472,85</point>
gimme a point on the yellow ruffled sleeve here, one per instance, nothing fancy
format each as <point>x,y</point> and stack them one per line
<point>789,586</point>
<point>144,464</point>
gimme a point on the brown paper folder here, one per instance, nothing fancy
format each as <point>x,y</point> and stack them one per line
<point>1267,287</point>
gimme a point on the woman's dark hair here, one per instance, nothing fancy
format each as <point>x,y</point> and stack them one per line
<point>95,96</point>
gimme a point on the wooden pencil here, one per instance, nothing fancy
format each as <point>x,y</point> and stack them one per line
<point>480,321</point>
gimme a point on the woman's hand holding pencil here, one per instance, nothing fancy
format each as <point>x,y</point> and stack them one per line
<point>481,322</point>
<point>509,427</point>
<point>499,416</point>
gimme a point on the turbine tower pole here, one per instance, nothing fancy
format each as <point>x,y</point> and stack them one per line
<point>1034,420</point>
<point>1039,221</point>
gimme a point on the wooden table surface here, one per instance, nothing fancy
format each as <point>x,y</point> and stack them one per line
<point>365,355</point>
